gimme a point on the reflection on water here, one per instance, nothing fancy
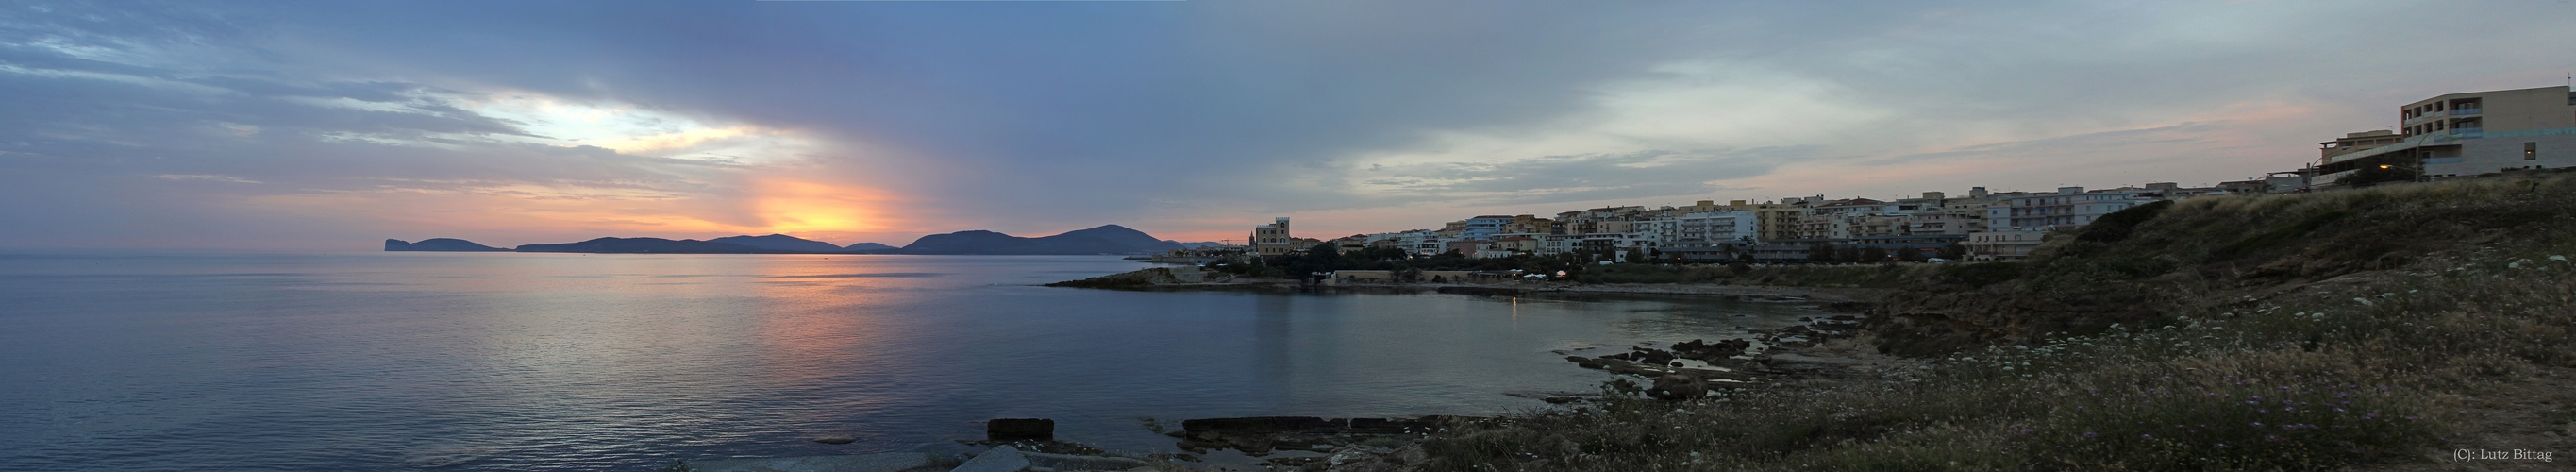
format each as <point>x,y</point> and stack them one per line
<point>139,361</point>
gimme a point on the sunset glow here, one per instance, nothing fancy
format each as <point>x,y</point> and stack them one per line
<point>819,210</point>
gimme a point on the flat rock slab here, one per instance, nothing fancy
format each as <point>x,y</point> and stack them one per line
<point>1066,462</point>
<point>887,462</point>
<point>1000,459</point>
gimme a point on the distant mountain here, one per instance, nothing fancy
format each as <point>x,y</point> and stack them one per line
<point>779,242</point>
<point>1196,245</point>
<point>859,247</point>
<point>438,245</point>
<point>648,245</point>
<point>1106,239</point>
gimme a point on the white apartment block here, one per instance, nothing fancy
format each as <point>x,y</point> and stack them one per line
<point>2070,206</point>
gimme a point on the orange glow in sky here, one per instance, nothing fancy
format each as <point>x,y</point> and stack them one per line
<point>808,208</point>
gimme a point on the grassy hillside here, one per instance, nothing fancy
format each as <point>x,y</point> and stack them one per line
<point>2156,262</point>
<point>2364,328</point>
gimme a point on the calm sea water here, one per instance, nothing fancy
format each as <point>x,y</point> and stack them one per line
<point>472,361</point>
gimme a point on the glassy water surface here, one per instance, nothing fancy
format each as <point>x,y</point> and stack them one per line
<point>504,361</point>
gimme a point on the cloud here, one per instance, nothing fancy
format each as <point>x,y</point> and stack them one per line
<point>1187,119</point>
<point>1575,178</point>
<point>202,177</point>
<point>2185,135</point>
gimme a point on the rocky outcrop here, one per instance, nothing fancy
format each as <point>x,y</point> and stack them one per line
<point>1145,279</point>
<point>1262,435</point>
<point>437,245</point>
<point>1677,387</point>
<point>1008,429</point>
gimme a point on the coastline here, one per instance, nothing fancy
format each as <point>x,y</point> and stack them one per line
<point>1827,352</point>
<point>1164,279</point>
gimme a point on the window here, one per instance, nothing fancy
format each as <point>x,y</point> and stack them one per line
<point>2531,151</point>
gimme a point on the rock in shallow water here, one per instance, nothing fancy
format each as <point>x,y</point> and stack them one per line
<point>1005,429</point>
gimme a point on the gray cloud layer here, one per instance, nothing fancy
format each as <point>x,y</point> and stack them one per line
<point>128,123</point>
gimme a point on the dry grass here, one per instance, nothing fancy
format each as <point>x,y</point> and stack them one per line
<point>2237,371</point>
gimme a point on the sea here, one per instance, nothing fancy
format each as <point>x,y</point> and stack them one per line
<point>214,360</point>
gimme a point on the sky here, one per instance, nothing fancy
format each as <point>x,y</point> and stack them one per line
<point>333,125</point>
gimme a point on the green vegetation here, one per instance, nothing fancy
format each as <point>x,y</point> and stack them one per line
<point>2351,341</point>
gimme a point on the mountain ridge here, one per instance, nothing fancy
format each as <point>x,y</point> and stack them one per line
<point>1103,239</point>
<point>779,242</point>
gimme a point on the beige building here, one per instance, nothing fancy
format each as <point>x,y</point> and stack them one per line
<point>1771,221</point>
<point>2468,133</point>
<point>1273,239</point>
<point>2357,142</point>
<point>2002,245</point>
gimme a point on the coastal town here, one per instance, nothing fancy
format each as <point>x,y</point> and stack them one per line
<point>1287,236</point>
<point>2448,136</point>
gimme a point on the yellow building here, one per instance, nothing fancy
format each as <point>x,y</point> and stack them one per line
<point>1273,239</point>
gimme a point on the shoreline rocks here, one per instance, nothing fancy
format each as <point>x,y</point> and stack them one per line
<point>1730,359</point>
<point>1263,435</point>
<point>1009,429</point>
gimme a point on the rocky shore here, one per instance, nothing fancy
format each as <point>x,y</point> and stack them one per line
<point>1819,349</point>
<point>1189,278</point>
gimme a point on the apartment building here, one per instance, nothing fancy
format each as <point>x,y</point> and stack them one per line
<point>1273,239</point>
<point>1711,228</point>
<point>2070,206</point>
<point>2009,245</point>
<point>1770,220</point>
<point>2465,134</point>
<point>1482,227</point>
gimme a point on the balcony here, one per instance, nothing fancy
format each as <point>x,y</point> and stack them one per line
<point>2466,111</point>
<point>2467,131</point>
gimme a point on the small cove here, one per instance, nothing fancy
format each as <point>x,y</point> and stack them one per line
<point>499,361</point>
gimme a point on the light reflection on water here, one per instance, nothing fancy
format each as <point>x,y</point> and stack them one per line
<point>140,361</point>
